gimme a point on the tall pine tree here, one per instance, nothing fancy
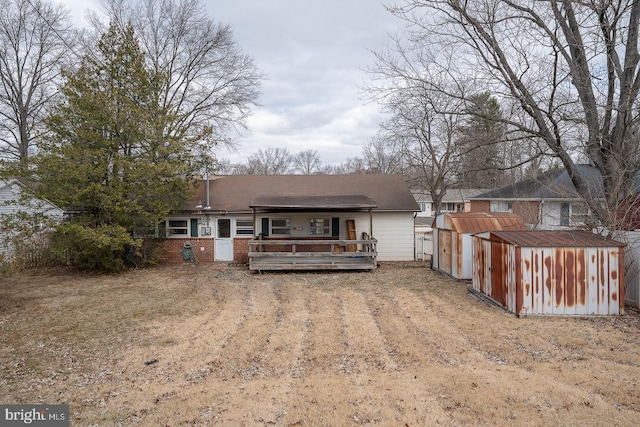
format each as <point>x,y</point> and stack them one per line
<point>481,164</point>
<point>107,156</point>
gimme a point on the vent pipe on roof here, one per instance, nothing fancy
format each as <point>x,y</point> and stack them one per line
<point>206,177</point>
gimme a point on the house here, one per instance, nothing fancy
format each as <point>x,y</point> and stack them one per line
<point>19,210</point>
<point>544,272</point>
<point>549,201</point>
<point>452,238</point>
<point>454,200</point>
<point>243,218</point>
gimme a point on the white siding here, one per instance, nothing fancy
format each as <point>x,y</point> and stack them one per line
<point>393,230</point>
<point>395,234</point>
<point>10,203</point>
<point>550,215</point>
<point>632,267</point>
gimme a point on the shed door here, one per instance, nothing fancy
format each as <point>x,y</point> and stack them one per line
<point>483,265</point>
<point>499,266</point>
<point>444,250</point>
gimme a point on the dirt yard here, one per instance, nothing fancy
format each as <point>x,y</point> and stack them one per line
<point>401,346</point>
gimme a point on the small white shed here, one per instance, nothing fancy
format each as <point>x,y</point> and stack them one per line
<point>453,241</point>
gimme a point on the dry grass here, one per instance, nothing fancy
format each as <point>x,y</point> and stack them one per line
<point>399,346</point>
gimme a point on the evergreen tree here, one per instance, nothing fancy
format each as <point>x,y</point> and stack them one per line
<point>107,157</point>
<point>481,163</point>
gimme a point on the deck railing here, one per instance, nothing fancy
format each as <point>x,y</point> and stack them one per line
<point>277,254</point>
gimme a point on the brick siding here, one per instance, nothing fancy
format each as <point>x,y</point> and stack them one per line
<point>171,250</point>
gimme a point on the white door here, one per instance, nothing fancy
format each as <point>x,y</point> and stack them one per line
<point>223,250</point>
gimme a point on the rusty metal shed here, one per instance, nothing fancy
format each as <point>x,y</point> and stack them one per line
<point>550,272</point>
<point>452,238</point>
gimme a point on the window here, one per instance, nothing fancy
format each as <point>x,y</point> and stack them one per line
<point>281,227</point>
<point>501,206</point>
<point>320,227</point>
<point>244,227</point>
<point>573,214</point>
<point>177,227</point>
<point>451,207</point>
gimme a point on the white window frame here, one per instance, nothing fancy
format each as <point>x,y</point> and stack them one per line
<point>326,227</point>
<point>572,215</point>
<point>286,226</point>
<point>170,228</point>
<point>501,206</point>
<point>244,230</point>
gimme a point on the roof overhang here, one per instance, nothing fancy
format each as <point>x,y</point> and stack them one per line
<point>313,203</point>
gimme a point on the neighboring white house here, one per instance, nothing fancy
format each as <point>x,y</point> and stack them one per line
<point>14,201</point>
<point>454,200</point>
<point>228,211</point>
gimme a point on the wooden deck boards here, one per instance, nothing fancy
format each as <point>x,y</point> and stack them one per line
<point>260,260</point>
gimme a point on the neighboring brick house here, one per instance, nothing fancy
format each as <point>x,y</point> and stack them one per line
<point>548,201</point>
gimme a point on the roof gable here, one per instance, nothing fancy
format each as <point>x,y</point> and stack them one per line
<point>241,193</point>
<point>554,184</point>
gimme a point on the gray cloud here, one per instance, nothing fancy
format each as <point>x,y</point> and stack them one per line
<point>313,54</point>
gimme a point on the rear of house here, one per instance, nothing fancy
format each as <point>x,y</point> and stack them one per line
<point>228,212</point>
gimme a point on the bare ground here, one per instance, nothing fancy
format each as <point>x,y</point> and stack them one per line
<point>205,345</point>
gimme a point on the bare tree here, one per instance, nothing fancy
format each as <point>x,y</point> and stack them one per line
<point>35,41</point>
<point>210,84</point>
<point>352,165</point>
<point>307,162</point>
<point>572,67</point>
<point>423,121</point>
<point>382,157</point>
<point>272,161</point>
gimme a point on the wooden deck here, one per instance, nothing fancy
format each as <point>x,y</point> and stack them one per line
<point>267,255</point>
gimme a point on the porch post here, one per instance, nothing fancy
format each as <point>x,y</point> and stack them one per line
<point>370,223</point>
<point>254,223</point>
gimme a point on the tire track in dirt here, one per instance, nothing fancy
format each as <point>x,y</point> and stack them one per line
<point>465,393</point>
<point>366,343</point>
<point>241,356</point>
<point>431,319</point>
<point>184,351</point>
<point>326,344</point>
<point>375,369</point>
<point>268,395</point>
<point>325,360</point>
<point>227,354</point>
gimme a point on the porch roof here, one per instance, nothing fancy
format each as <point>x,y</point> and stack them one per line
<point>325,202</point>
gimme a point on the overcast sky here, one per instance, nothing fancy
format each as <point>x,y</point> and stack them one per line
<point>313,54</point>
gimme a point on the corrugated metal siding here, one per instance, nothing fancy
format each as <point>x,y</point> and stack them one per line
<point>477,222</point>
<point>550,280</point>
<point>453,247</point>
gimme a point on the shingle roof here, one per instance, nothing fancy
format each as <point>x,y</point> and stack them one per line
<point>554,184</point>
<point>239,193</point>
<point>452,195</point>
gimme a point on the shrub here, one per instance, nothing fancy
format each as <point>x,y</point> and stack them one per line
<point>101,249</point>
